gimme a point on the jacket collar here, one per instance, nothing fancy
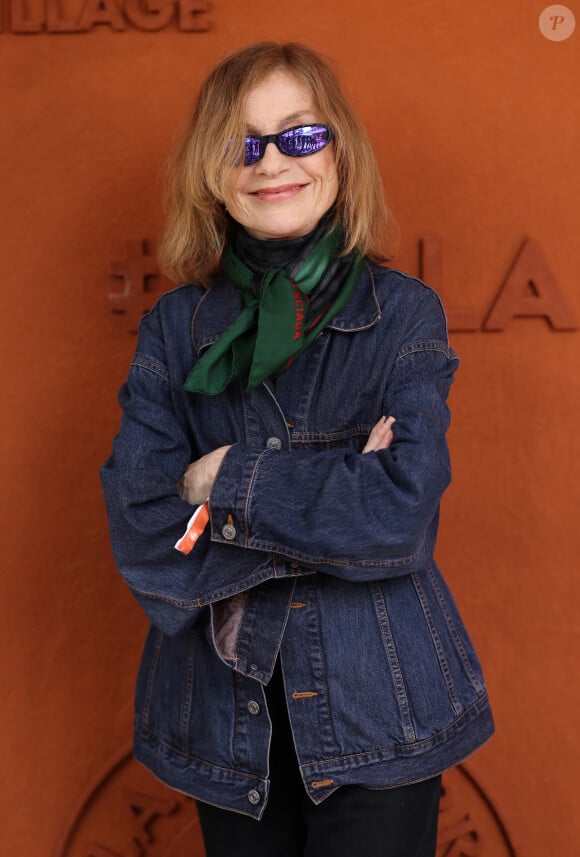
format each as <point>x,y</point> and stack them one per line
<point>221,304</point>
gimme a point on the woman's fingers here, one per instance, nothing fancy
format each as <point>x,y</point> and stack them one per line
<point>381,435</point>
<point>197,481</point>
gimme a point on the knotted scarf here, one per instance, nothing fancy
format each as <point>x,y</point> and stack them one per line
<point>274,326</point>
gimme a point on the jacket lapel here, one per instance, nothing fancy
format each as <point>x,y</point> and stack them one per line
<point>217,309</point>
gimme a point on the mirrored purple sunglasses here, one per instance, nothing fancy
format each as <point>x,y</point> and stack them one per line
<point>296,142</point>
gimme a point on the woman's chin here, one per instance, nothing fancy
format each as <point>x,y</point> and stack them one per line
<point>274,228</point>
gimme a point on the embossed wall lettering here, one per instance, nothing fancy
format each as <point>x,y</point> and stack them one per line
<point>529,290</point>
<point>469,825</point>
<point>137,295</point>
<point>23,17</point>
<point>140,824</point>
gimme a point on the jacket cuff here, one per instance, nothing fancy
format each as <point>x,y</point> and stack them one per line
<point>228,501</point>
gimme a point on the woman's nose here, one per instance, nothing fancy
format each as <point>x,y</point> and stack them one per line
<point>273,160</point>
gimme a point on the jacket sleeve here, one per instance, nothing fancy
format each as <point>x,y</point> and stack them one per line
<point>147,516</point>
<point>358,517</point>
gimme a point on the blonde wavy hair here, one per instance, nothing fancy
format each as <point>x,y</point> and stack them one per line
<point>198,171</point>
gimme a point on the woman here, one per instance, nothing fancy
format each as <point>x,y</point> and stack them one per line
<point>307,676</point>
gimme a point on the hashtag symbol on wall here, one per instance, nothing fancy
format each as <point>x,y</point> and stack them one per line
<point>138,293</point>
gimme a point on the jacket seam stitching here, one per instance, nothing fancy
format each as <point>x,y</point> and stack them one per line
<point>481,702</point>
<point>144,362</point>
<point>476,683</point>
<point>364,325</point>
<point>233,774</point>
<point>339,434</point>
<point>382,614</point>
<point>151,677</point>
<point>256,544</point>
<point>326,700</point>
<point>436,639</point>
<point>423,346</point>
<point>188,693</point>
<point>247,498</point>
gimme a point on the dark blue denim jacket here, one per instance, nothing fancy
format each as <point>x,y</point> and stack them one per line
<point>315,553</point>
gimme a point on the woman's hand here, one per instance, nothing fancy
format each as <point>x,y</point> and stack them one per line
<point>381,435</point>
<point>196,483</point>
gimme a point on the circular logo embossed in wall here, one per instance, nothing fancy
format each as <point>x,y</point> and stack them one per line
<point>129,813</point>
<point>557,23</point>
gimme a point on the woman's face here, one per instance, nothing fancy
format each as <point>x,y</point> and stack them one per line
<point>280,196</point>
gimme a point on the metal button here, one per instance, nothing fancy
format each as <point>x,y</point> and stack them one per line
<point>254,796</point>
<point>229,531</point>
<point>253,666</point>
<point>274,443</point>
<point>253,707</point>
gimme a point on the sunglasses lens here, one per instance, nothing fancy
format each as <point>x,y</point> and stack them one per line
<point>306,140</point>
<point>252,151</point>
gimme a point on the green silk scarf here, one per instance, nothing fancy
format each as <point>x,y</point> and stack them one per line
<point>272,328</point>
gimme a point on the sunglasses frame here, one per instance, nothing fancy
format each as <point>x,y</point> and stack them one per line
<point>275,138</point>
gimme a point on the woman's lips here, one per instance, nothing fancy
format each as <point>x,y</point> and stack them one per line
<point>278,194</point>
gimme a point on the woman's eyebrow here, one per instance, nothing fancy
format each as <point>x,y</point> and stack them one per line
<point>286,122</point>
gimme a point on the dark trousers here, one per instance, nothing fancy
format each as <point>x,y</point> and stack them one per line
<point>399,822</point>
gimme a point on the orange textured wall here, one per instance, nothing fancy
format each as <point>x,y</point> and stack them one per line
<point>475,118</point>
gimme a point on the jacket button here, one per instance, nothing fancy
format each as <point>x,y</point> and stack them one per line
<point>229,532</point>
<point>254,796</point>
<point>253,707</point>
<point>274,443</point>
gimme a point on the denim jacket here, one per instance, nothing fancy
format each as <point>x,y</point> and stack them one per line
<point>315,553</point>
